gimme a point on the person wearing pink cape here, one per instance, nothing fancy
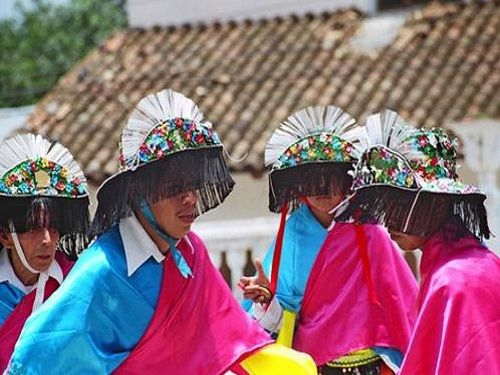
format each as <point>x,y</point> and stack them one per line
<point>43,207</point>
<point>410,184</point>
<point>145,298</point>
<point>340,292</point>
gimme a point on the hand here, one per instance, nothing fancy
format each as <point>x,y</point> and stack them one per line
<point>256,288</point>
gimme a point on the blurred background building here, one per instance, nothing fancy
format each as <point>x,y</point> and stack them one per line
<point>249,64</point>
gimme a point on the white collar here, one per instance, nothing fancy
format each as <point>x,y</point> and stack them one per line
<point>139,247</point>
<point>7,273</point>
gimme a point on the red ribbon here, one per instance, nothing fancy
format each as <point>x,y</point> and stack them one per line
<point>277,250</point>
<point>365,262</point>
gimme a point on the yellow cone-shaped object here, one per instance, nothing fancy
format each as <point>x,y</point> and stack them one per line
<point>277,359</point>
<point>285,336</point>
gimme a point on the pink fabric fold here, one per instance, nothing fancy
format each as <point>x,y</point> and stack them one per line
<point>11,329</point>
<point>458,325</point>
<point>198,327</point>
<point>337,314</point>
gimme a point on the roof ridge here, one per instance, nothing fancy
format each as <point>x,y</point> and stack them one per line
<point>436,10</point>
<point>234,23</point>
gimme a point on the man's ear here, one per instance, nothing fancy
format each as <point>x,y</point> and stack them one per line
<point>6,240</point>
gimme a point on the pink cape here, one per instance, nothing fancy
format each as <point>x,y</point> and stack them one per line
<point>11,329</point>
<point>198,327</point>
<point>458,325</point>
<point>337,299</point>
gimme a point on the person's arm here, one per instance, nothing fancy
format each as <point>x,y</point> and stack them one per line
<point>270,316</point>
<point>265,308</point>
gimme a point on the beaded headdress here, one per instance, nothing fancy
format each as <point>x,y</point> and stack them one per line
<point>407,179</point>
<point>310,154</point>
<point>167,148</point>
<point>41,185</point>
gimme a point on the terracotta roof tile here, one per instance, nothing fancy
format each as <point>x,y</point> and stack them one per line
<point>443,65</point>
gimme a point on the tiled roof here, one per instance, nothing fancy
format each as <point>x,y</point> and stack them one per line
<point>444,65</point>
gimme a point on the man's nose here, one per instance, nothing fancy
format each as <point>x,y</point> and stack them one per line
<point>47,235</point>
<point>189,198</point>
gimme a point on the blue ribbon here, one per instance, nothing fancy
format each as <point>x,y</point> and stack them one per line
<point>179,260</point>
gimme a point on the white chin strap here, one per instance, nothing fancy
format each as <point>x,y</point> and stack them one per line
<point>342,203</point>
<point>412,208</point>
<point>339,208</point>
<point>42,278</point>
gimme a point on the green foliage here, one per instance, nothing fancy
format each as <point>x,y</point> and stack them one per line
<point>46,40</point>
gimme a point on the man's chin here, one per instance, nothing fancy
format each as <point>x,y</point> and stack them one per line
<point>41,265</point>
<point>187,228</point>
<point>182,231</point>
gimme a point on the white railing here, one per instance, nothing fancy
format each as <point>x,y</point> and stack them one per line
<point>234,244</point>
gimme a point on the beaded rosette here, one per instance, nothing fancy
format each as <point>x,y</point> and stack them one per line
<point>317,148</point>
<point>41,177</point>
<point>170,136</point>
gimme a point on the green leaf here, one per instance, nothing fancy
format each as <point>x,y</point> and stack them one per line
<point>46,40</point>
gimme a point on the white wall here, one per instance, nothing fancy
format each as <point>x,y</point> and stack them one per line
<point>13,118</point>
<point>248,200</point>
<point>147,13</point>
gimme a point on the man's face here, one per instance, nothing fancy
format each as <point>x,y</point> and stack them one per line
<point>407,242</point>
<point>39,247</point>
<point>324,203</point>
<point>175,215</point>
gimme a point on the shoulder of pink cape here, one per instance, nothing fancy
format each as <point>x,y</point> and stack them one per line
<point>372,229</point>
<point>375,234</point>
<point>195,242</point>
<point>466,271</point>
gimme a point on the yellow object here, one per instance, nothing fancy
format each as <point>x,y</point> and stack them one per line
<point>285,336</point>
<point>42,179</point>
<point>357,358</point>
<point>276,359</point>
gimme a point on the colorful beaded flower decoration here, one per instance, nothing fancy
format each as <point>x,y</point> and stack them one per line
<point>436,164</point>
<point>432,156</point>
<point>319,147</point>
<point>170,136</point>
<point>380,165</point>
<point>41,177</point>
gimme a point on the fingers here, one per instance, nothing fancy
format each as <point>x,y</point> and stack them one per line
<point>245,280</point>
<point>260,269</point>
<point>261,275</point>
<point>252,289</point>
<point>256,297</point>
<point>262,300</point>
<point>251,295</point>
<point>256,293</point>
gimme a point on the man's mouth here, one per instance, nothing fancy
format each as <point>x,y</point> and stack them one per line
<point>322,197</point>
<point>43,257</point>
<point>187,218</point>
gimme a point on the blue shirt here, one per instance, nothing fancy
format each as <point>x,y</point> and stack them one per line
<point>95,318</point>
